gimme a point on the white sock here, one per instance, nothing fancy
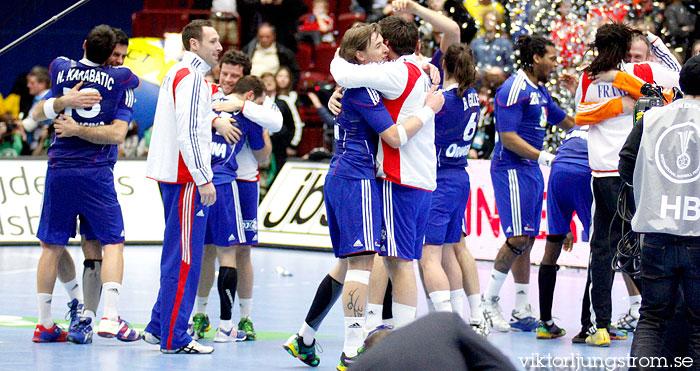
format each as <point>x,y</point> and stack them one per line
<point>431,306</point>
<point>403,314</point>
<point>353,335</point>
<point>474,307</point>
<point>225,324</point>
<point>110,292</point>
<point>245,306</point>
<point>635,304</point>
<point>373,316</point>
<point>89,313</point>
<point>307,334</point>
<point>441,300</point>
<point>44,301</point>
<point>200,304</point>
<point>73,289</point>
<point>389,322</point>
<point>521,291</point>
<point>495,283</point>
<point>457,302</point>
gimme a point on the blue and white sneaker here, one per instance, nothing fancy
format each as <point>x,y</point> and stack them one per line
<point>524,320</point>
<point>231,335</point>
<point>75,310</point>
<point>81,332</point>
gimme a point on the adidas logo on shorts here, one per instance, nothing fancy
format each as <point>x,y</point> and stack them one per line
<point>509,230</point>
<point>231,238</point>
<point>357,243</point>
<point>200,213</point>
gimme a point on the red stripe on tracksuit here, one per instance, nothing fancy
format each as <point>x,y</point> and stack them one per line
<point>186,208</point>
<point>392,156</point>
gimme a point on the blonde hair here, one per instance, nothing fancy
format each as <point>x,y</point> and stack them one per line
<point>357,39</point>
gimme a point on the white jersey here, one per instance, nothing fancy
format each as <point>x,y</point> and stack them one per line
<point>180,144</point>
<point>605,139</point>
<point>404,87</point>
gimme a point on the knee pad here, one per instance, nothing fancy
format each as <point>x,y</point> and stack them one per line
<point>90,263</point>
<point>555,238</point>
<point>514,249</point>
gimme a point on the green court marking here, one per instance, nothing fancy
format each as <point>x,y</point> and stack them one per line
<point>30,322</point>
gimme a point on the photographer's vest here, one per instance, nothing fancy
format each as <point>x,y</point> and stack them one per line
<point>667,171</point>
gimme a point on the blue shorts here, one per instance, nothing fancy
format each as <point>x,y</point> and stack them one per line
<point>519,194</point>
<point>225,223</point>
<point>405,212</point>
<point>88,192</point>
<point>249,195</point>
<point>353,211</point>
<point>568,190</point>
<point>449,202</point>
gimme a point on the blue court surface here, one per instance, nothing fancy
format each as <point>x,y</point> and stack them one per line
<point>280,305</point>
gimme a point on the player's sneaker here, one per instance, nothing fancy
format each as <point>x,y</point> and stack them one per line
<point>480,326</point>
<point>346,361</point>
<point>296,348</point>
<point>246,325</point>
<point>580,338</point>
<point>223,336</point>
<point>545,331</point>
<point>119,329</point>
<point>75,310</point>
<point>55,334</point>
<point>192,348</point>
<point>627,322</point>
<point>524,320</point>
<point>616,333</point>
<point>600,338</point>
<point>493,314</point>
<point>200,325</point>
<point>81,332</point>
<point>151,338</point>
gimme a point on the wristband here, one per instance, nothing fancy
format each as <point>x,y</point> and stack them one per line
<point>403,137</point>
<point>545,158</point>
<point>48,109</point>
<point>425,114</point>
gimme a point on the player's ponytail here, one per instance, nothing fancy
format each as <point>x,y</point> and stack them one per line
<point>459,65</point>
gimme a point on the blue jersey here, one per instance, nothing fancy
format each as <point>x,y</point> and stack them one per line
<point>574,148</point>
<point>356,134</point>
<point>524,108</point>
<point>223,154</point>
<point>113,84</point>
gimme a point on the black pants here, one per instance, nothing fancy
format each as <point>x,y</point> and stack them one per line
<point>607,232</point>
<point>668,262</point>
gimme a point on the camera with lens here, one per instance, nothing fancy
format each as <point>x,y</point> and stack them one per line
<point>653,96</point>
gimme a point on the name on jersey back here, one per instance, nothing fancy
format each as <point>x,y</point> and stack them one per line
<point>91,75</point>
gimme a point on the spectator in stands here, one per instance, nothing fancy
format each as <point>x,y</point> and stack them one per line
<point>477,8</point>
<point>270,84</point>
<point>224,18</point>
<point>327,118</point>
<point>493,49</point>
<point>130,145</point>
<point>648,12</point>
<point>568,34</point>
<point>10,137</point>
<point>695,50</point>
<point>458,13</point>
<point>144,143</point>
<point>44,140</point>
<point>38,83</point>
<point>267,55</point>
<point>608,11</point>
<point>19,101</point>
<point>286,143</point>
<point>317,26</point>
<point>680,24</point>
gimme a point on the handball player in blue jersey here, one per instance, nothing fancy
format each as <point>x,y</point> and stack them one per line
<point>225,224</point>
<point>79,179</point>
<point>568,191</point>
<point>455,126</point>
<point>523,108</point>
<point>352,198</point>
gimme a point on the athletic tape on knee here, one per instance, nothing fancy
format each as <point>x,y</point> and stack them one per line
<point>357,275</point>
<point>514,249</point>
<point>555,238</point>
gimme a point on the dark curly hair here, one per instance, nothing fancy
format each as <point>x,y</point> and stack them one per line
<point>530,46</point>
<point>612,41</point>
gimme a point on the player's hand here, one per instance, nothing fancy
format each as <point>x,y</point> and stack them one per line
<point>628,105</point>
<point>230,104</point>
<point>334,102</point>
<point>230,132</point>
<point>75,98</point>
<point>435,99</point>
<point>433,72</point>
<point>207,194</point>
<point>568,242</point>
<point>314,99</point>
<point>401,6</point>
<point>66,127</point>
<point>607,76</point>
<point>545,158</point>
<point>569,82</point>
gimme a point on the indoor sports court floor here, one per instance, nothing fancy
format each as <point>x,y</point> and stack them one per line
<point>280,304</point>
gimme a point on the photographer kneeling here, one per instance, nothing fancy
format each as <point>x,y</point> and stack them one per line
<point>661,158</point>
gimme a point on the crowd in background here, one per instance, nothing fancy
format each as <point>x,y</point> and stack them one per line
<point>276,34</point>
